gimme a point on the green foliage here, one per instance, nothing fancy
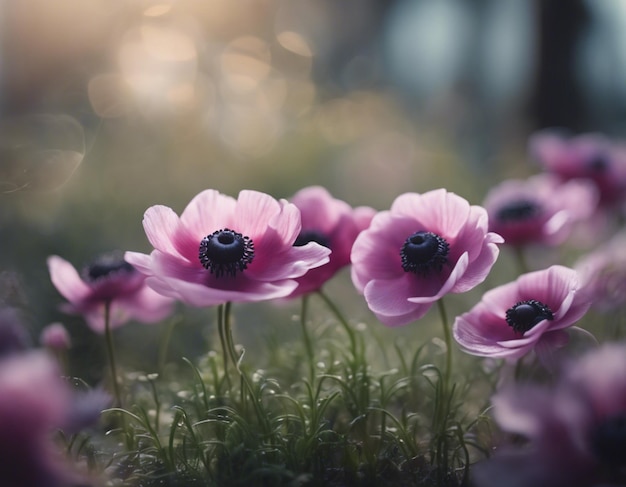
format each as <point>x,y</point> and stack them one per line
<point>319,414</point>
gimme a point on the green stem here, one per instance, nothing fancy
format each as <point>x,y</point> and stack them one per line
<point>111,353</point>
<point>221,328</point>
<point>245,382</point>
<point>307,339</point>
<point>164,345</point>
<point>448,341</point>
<point>344,323</point>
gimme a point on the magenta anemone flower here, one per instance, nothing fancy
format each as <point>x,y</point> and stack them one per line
<point>426,246</point>
<point>540,209</point>
<point>223,249</point>
<point>574,432</point>
<point>529,313</point>
<point>329,222</point>
<point>108,279</point>
<point>590,156</point>
<point>604,270</point>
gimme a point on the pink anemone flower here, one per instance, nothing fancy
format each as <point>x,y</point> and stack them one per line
<point>540,209</point>
<point>591,156</point>
<point>529,313</point>
<point>426,246</point>
<point>223,249</point>
<point>574,431</point>
<point>329,222</point>
<point>109,279</point>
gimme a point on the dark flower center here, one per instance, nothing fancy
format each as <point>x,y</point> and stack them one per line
<point>424,251</point>
<point>518,210</point>
<point>226,252</point>
<point>608,441</point>
<point>526,314</point>
<point>307,236</point>
<point>104,266</point>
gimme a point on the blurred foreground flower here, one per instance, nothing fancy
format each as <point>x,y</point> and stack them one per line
<point>108,280</point>
<point>530,313</point>
<point>539,210</point>
<point>13,335</point>
<point>426,246</point>
<point>223,249</point>
<point>55,337</point>
<point>329,222</point>
<point>590,156</point>
<point>34,401</point>
<point>575,432</point>
<point>605,271</point>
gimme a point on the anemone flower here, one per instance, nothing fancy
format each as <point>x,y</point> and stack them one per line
<point>529,313</point>
<point>540,209</point>
<point>574,432</point>
<point>604,270</point>
<point>34,401</point>
<point>109,280</point>
<point>590,156</point>
<point>426,246</point>
<point>223,249</point>
<point>329,222</point>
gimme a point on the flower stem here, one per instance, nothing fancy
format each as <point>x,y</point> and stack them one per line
<point>221,328</point>
<point>307,339</point>
<point>246,385</point>
<point>111,353</point>
<point>344,323</point>
<point>448,341</point>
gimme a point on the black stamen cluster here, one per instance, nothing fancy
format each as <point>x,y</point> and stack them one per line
<point>526,314</point>
<point>105,266</point>
<point>424,252</point>
<point>226,252</point>
<point>518,211</point>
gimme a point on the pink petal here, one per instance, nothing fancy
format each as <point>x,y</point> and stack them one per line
<point>66,279</point>
<point>549,286</point>
<point>160,223</point>
<point>255,210</point>
<point>147,306</point>
<point>457,272</point>
<point>291,263</point>
<point>389,299</point>
<point>320,211</point>
<point>440,212</point>
<point>141,262</point>
<point>208,212</point>
<point>478,270</point>
<point>200,295</point>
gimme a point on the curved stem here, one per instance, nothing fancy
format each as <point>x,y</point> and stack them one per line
<point>111,353</point>
<point>307,339</point>
<point>344,323</point>
<point>221,329</point>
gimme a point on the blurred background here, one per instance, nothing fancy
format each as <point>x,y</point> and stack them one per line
<point>110,106</point>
